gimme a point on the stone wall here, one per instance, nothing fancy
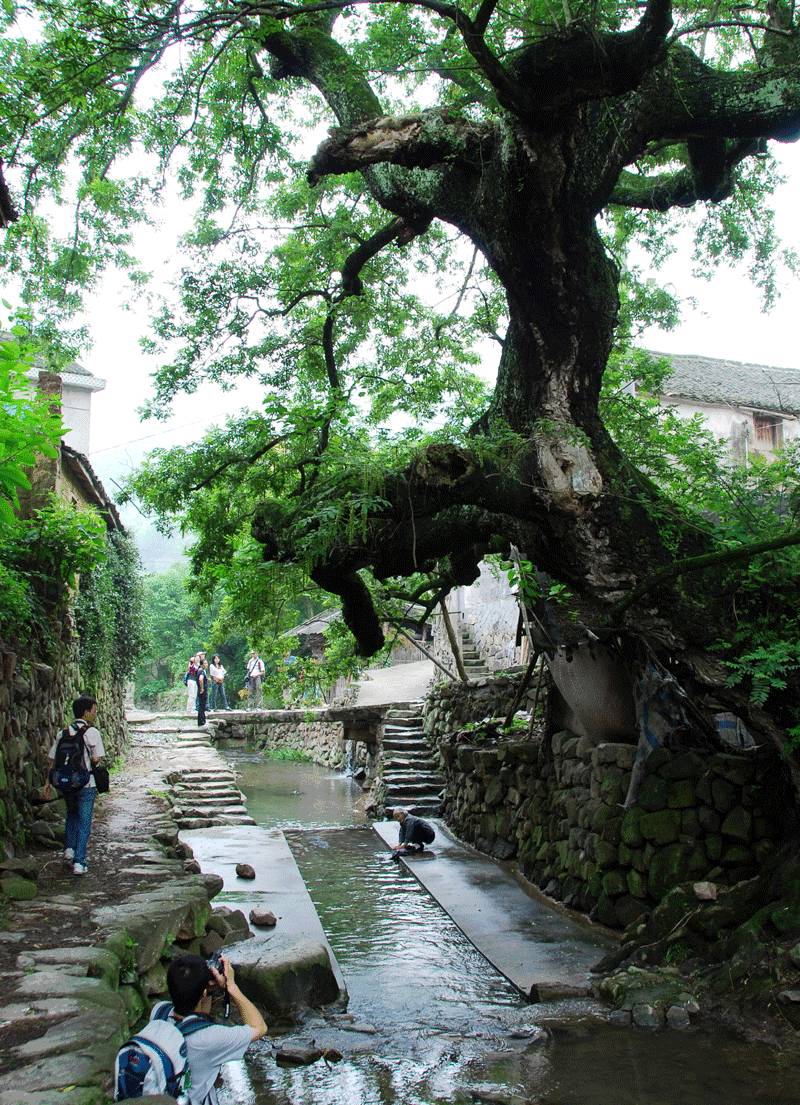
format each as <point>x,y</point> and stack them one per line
<point>452,705</point>
<point>35,704</point>
<point>556,807</point>
<point>323,741</point>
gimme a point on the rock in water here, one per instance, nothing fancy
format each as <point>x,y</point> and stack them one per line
<point>297,1056</point>
<point>245,871</point>
<point>263,917</point>
<point>284,980</point>
<point>678,1017</point>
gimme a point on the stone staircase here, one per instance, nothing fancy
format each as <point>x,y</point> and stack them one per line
<point>410,775</point>
<point>473,664</point>
<point>202,786</point>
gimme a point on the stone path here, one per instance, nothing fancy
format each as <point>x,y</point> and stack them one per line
<point>63,1005</point>
<point>540,949</point>
<point>202,787</point>
<point>395,683</point>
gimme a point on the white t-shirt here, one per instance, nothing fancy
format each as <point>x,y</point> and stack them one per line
<point>217,672</point>
<point>92,748</point>
<point>255,666</point>
<point>207,1050</point>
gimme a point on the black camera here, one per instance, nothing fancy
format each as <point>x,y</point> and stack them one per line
<point>216,964</point>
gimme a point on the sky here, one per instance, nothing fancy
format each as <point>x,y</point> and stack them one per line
<point>728,321</point>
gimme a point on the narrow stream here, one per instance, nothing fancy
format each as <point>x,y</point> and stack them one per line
<point>429,1021</point>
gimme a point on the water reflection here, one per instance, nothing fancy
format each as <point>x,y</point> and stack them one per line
<point>284,794</point>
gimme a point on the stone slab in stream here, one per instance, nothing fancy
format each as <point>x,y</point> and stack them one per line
<point>541,950</point>
<point>288,967</point>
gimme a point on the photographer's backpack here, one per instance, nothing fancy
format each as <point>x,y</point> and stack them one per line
<point>69,772</point>
<point>155,1060</point>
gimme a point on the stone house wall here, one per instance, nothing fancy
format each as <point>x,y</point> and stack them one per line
<point>489,610</point>
<point>35,704</point>
<point>556,808</point>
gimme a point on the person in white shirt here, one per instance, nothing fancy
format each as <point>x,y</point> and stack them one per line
<point>80,803</point>
<point>255,673</point>
<point>191,983</point>
<point>217,673</point>
<point>190,679</point>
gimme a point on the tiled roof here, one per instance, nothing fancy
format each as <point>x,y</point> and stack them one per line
<point>733,383</point>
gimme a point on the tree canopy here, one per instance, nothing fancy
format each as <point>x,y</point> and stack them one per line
<point>488,168</point>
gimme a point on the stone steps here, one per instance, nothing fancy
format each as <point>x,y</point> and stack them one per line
<point>410,776</point>
<point>471,657</point>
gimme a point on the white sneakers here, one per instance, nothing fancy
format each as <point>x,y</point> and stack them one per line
<point>69,855</point>
<point>79,869</point>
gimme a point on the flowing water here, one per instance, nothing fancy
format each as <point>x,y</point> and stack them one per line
<point>430,1021</point>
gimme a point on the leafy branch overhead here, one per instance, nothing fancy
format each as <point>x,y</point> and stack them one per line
<point>485,172</point>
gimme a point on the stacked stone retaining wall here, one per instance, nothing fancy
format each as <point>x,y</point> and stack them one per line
<point>556,807</point>
<point>35,703</point>
<point>325,742</point>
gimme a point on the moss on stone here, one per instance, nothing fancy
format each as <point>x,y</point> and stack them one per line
<point>680,794</point>
<point>661,826</point>
<point>18,889</point>
<point>630,831</point>
<point>667,869</point>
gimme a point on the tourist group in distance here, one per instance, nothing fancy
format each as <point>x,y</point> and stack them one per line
<point>205,684</point>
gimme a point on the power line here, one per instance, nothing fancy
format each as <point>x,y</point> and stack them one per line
<point>147,437</point>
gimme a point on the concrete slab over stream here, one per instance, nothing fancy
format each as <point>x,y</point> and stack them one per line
<point>541,950</point>
<point>291,966</point>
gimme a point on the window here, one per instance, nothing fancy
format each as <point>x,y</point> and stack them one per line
<point>768,431</point>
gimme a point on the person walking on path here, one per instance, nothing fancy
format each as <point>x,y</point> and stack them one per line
<point>190,680</point>
<point>202,692</point>
<point>80,803</point>
<point>255,673</point>
<point>217,674</point>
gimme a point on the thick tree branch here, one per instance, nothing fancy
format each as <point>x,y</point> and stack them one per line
<point>560,71</point>
<point>686,98</point>
<point>398,230</point>
<point>708,177</point>
<point>419,141</point>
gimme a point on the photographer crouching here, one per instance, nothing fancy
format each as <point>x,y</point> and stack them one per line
<point>153,1060</point>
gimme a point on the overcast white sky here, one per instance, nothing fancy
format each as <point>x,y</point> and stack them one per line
<point>728,322</point>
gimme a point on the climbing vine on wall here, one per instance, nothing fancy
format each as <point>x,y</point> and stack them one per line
<point>109,612</point>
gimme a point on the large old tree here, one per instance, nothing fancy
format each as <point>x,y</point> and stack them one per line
<point>527,143</point>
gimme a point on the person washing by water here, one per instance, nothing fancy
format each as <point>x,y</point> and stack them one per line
<point>415,833</point>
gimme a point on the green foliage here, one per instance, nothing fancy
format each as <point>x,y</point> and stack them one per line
<point>109,612</point>
<point>41,560</point>
<point>29,425</point>
<point>178,622</point>
<point>732,505</point>
<point>287,755</point>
